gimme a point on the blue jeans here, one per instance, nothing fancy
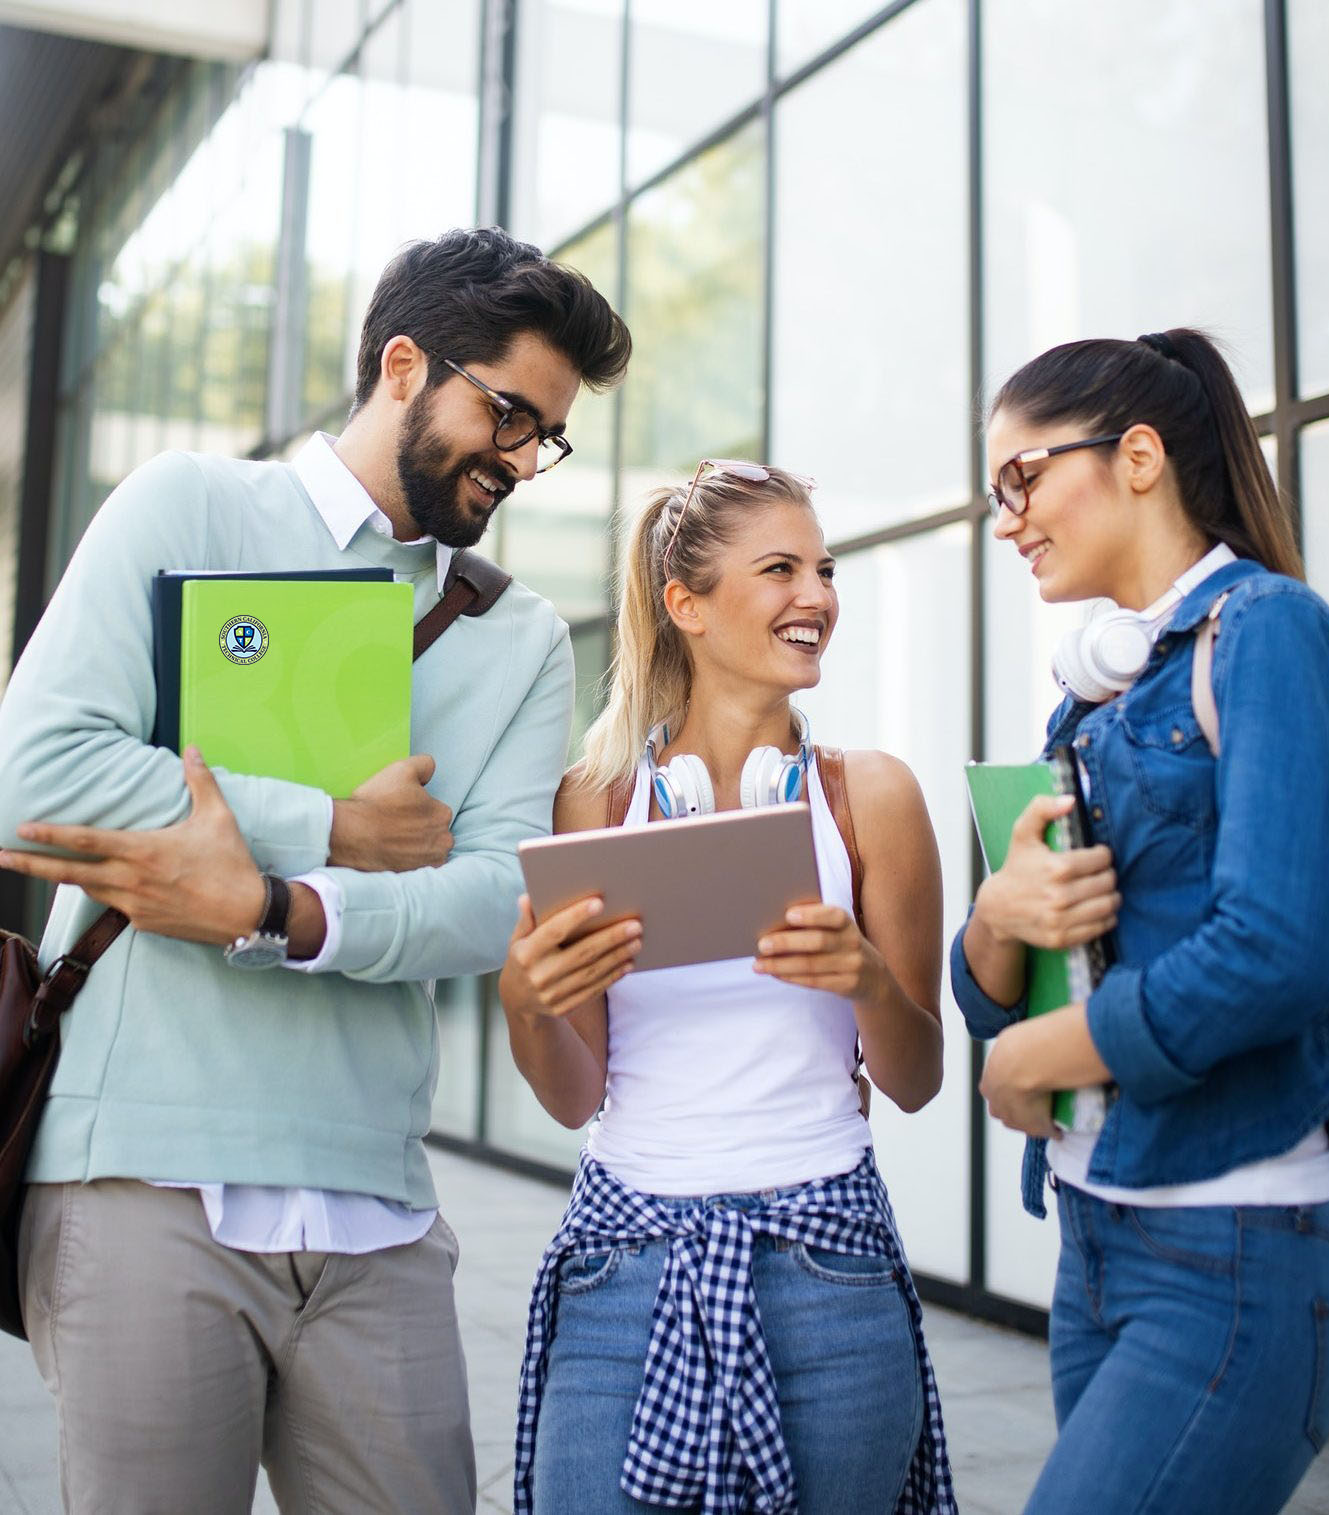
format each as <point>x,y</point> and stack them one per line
<point>840,1342</point>
<point>1190,1357</point>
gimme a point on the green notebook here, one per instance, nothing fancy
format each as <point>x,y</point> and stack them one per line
<point>998,793</point>
<point>304,679</point>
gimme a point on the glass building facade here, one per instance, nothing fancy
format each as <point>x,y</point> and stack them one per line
<point>833,228</point>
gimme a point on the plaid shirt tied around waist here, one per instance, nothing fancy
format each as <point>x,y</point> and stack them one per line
<point>706,1427</point>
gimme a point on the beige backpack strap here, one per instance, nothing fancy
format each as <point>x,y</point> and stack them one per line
<point>1202,677</point>
<point>830,766</point>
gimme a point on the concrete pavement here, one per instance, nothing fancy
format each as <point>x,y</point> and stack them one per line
<point>994,1383</point>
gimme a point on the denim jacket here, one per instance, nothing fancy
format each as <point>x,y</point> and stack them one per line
<point>1214,1018</point>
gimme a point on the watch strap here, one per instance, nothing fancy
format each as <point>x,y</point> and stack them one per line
<point>277,906</point>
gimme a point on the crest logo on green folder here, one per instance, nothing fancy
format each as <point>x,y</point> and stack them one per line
<point>244,639</point>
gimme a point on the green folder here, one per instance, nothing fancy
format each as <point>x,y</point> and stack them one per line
<point>998,793</point>
<point>297,679</point>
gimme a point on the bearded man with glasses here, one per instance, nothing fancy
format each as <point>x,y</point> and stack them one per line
<point>231,1250</point>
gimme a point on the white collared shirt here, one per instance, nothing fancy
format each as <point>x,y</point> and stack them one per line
<point>345,506</point>
<point>263,1217</point>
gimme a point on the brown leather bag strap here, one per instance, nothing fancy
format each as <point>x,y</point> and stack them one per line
<point>472,586</point>
<point>830,765</point>
<point>68,973</point>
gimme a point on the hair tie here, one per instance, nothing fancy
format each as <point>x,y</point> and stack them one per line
<point>1161,344</point>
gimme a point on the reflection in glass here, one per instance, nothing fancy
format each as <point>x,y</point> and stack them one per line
<point>1163,148</point>
<point>14,341</point>
<point>870,386</point>
<point>554,528</point>
<point>694,302</point>
<point>334,123</point>
<point>1308,67</point>
<point>896,676</point>
<point>1019,636</point>
<point>802,30</point>
<point>590,650</point>
<point>692,65</point>
<point>459,1006</point>
<point>1315,504</point>
<point>418,138</point>
<point>568,131</point>
<point>516,1121</point>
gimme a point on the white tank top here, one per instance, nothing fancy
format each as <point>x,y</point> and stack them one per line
<point>722,1080</point>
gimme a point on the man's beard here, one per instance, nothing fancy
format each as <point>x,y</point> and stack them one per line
<point>431,485</point>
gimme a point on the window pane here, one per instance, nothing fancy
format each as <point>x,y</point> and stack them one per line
<point>568,109</point>
<point>1020,634</point>
<point>555,527</point>
<point>590,648</point>
<point>516,1120</point>
<point>1308,65</point>
<point>913,595</point>
<point>694,302</point>
<point>459,1004</point>
<point>1315,504</point>
<point>15,351</point>
<point>1127,186</point>
<point>803,30</point>
<point>870,366</point>
<point>334,123</point>
<point>692,65</point>
<point>442,56</point>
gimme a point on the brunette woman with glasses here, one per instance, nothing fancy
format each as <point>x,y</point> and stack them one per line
<point>725,1320</point>
<point>1190,1320</point>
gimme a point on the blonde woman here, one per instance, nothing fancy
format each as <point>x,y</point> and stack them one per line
<point>725,1320</point>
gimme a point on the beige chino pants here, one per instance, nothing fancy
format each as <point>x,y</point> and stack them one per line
<point>178,1364</point>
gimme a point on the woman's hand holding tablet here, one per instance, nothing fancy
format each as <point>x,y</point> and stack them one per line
<point>546,974</point>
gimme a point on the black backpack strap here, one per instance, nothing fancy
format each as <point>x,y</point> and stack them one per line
<point>472,586</point>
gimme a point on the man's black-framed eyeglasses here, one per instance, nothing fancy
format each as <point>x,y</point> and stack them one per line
<point>1012,488</point>
<point>516,426</point>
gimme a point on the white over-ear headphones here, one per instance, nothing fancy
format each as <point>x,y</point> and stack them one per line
<point>1096,661</point>
<point>770,777</point>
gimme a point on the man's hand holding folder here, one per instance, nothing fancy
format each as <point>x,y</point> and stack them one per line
<point>391,823</point>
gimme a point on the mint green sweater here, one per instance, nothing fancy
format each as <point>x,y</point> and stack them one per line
<point>175,1066</point>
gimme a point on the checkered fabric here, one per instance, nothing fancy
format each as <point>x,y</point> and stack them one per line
<point>706,1428</point>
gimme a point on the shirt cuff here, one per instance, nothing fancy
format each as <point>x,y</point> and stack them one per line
<point>330,897</point>
<point>982,1014</point>
<point>1119,1026</point>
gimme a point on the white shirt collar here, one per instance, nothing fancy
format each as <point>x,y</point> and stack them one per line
<point>343,501</point>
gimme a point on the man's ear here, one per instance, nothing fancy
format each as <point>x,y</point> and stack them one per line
<point>684,608</point>
<point>1145,456</point>
<point>403,369</point>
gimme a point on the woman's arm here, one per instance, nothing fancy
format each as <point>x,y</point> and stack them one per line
<point>554,996</point>
<point>893,971</point>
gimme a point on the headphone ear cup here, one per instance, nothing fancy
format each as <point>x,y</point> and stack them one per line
<point>769,777</point>
<point>1096,661</point>
<point>686,785</point>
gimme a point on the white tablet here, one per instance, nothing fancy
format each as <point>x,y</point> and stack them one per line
<point>704,888</point>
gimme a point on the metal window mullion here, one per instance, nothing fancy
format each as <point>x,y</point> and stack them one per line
<point>1283,255</point>
<point>977,610</point>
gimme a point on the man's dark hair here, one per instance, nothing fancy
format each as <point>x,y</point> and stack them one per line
<point>468,294</point>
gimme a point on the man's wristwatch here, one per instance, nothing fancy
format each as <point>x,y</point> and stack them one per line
<point>266,946</point>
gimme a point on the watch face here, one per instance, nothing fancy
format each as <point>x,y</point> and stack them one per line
<point>257,952</point>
